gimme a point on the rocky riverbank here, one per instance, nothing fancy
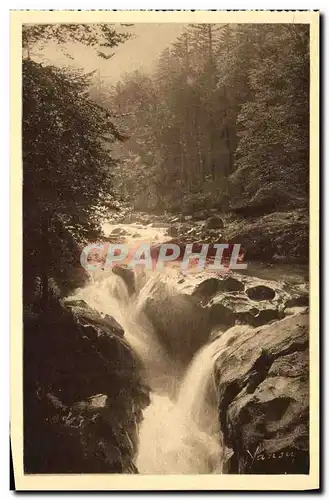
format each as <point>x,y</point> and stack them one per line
<point>83,395</point>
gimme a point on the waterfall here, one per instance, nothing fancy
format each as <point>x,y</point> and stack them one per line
<point>180,432</point>
<point>183,437</point>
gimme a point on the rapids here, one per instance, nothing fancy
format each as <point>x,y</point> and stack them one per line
<point>180,431</point>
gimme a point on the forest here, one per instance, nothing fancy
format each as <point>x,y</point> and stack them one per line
<point>222,123</point>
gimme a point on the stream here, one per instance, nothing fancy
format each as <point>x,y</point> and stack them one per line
<point>180,432</point>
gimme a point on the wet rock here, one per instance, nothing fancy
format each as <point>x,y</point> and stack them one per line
<point>294,310</point>
<point>222,316</point>
<point>160,224</point>
<point>247,316</point>
<point>214,222</point>
<point>235,307</point>
<point>179,218</point>
<point>266,316</point>
<point>172,231</point>
<point>298,301</point>
<point>227,297</point>
<point>283,234</point>
<point>137,217</point>
<point>263,397</point>
<point>260,292</point>
<point>230,285</point>
<point>206,289</point>
<point>107,324</point>
<point>83,394</point>
<point>202,215</point>
<point>119,231</point>
<point>137,235</point>
<point>181,324</point>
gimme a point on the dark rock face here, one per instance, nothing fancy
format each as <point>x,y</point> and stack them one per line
<point>221,316</point>
<point>279,236</point>
<point>181,323</point>
<point>83,395</point>
<point>298,301</point>
<point>263,397</point>
<point>214,222</point>
<point>119,231</point>
<point>260,292</point>
<point>236,308</point>
<point>261,373</point>
<point>202,215</point>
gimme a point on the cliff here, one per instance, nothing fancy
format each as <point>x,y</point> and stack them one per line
<point>83,395</point>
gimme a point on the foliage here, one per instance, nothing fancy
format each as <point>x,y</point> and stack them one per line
<point>273,128</point>
<point>67,166</point>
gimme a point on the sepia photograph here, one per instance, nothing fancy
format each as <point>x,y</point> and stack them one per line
<point>165,201</point>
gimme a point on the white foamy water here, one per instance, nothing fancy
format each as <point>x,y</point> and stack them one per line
<point>183,437</point>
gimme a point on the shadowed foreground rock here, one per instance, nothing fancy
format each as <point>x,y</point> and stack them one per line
<point>83,397</point>
<point>263,397</point>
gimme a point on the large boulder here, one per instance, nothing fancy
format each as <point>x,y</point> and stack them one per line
<point>160,224</point>
<point>260,292</point>
<point>236,299</point>
<point>279,236</point>
<point>263,397</point>
<point>83,393</point>
<point>127,276</point>
<point>202,215</point>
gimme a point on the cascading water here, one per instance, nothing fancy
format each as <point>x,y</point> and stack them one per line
<point>180,431</point>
